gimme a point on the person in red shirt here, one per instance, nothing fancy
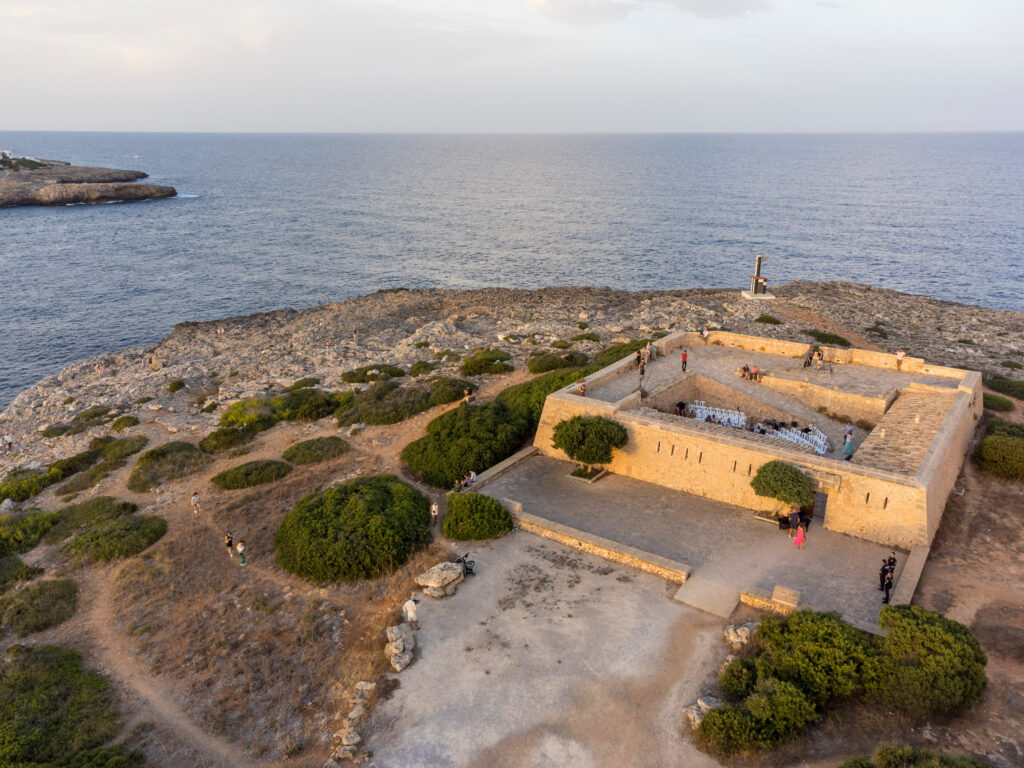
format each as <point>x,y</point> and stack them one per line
<point>683,357</point>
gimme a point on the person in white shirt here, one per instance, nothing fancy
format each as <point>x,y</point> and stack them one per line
<point>409,610</point>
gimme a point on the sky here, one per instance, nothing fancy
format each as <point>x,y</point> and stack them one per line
<point>512,65</point>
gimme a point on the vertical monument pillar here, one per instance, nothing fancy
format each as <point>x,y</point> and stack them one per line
<point>758,283</point>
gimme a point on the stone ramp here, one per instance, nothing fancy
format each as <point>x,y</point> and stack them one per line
<point>708,596</point>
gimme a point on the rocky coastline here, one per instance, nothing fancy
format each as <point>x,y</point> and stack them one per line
<point>32,181</point>
<point>223,361</point>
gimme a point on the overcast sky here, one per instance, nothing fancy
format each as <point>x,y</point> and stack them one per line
<point>512,65</point>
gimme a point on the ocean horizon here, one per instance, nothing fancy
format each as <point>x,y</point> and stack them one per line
<point>269,221</point>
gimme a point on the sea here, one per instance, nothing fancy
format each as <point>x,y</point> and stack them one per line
<point>267,221</point>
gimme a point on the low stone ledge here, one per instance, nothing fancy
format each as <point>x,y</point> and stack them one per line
<point>502,467</point>
<point>762,599</point>
<point>599,546</point>
<point>909,575</point>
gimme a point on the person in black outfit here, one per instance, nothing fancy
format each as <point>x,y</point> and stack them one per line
<point>891,562</point>
<point>882,573</point>
<point>887,587</point>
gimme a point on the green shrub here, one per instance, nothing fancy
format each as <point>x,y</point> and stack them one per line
<point>821,654</point>
<point>1001,455</point>
<point>728,731</point>
<point>878,331</point>
<point>739,677</point>
<point>473,516</point>
<point>560,344</point>
<point>54,430</point>
<point>824,337</point>
<point>118,537</point>
<point>768,320</point>
<point>118,449</point>
<point>166,462</point>
<point>446,390</point>
<point>1013,365</point>
<point>464,439</point>
<point>927,663</point>
<point>778,480</point>
<point>176,385</point>
<point>225,438</point>
<point>589,439</point>
<point>117,756</point>
<point>316,450</point>
<point>12,570</point>
<point>780,709</point>
<point>613,354</point>
<point>421,344</point>
<point>77,517</point>
<point>38,606</point>
<point>121,423</point>
<point>251,473</point>
<point>997,403</point>
<point>20,533</point>
<point>893,756</point>
<point>582,326</point>
<point>370,373</point>
<point>997,426</point>
<point>362,529</point>
<point>50,707</point>
<point>142,400</point>
<point>586,336</point>
<point>209,407</point>
<point>485,361</point>
<point>304,383</point>
<point>1007,386</point>
<point>421,368</point>
<point>545,363</point>
<point>527,399</point>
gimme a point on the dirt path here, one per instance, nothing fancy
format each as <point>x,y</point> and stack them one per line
<point>120,662</point>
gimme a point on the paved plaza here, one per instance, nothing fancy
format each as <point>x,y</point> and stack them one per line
<point>726,546</point>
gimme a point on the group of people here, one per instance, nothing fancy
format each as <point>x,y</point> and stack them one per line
<point>886,574</point>
<point>752,373</point>
<point>229,542</point>
<point>815,357</point>
<point>644,355</point>
<point>465,482</point>
<point>799,522</point>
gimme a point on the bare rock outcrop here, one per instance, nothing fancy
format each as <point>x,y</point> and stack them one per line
<point>48,182</point>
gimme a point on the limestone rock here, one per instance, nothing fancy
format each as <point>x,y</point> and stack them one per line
<point>738,636</point>
<point>400,632</point>
<point>401,660</point>
<point>358,712</point>
<point>350,737</point>
<point>6,506</point>
<point>706,703</point>
<point>441,580</point>
<point>694,715</point>
<point>364,685</point>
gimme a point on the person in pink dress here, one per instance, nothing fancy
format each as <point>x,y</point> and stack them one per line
<point>798,542</point>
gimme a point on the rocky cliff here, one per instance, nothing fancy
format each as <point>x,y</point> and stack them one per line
<point>55,183</point>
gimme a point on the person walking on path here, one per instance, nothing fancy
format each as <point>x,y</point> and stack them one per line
<point>409,611</point>
<point>195,502</point>
<point>683,358</point>
<point>798,542</point>
<point>900,354</point>
<point>705,334</point>
<point>229,544</point>
<point>887,586</point>
<point>434,511</point>
<point>241,551</point>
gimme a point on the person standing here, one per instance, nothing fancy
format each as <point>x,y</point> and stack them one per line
<point>900,354</point>
<point>892,561</point>
<point>683,358</point>
<point>195,502</point>
<point>409,610</point>
<point>887,586</point>
<point>229,544</point>
<point>8,442</point>
<point>798,542</point>
<point>848,448</point>
<point>794,521</point>
<point>705,334</point>
<point>241,551</point>
<point>434,511</point>
<point>882,573</point>
<point>638,359</point>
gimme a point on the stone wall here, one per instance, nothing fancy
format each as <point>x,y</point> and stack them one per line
<point>696,387</point>
<point>839,402</point>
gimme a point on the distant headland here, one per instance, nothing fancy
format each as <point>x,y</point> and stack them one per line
<point>34,181</point>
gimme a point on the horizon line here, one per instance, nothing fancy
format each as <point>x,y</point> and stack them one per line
<point>525,133</point>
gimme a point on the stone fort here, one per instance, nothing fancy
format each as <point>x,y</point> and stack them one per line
<point>913,428</point>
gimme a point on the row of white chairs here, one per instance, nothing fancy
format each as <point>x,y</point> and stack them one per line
<point>730,418</point>
<point>796,436</point>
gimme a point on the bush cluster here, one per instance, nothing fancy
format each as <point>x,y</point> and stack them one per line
<point>589,439</point>
<point>166,462</point>
<point>370,373</point>
<point>122,536</point>
<point>421,368</point>
<point>1001,451</point>
<point>545,363</point>
<point>78,517</point>
<point>997,403</point>
<point>12,570</point>
<point>110,451</point>
<point>50,707</point>
<point>251,473</point>
<point>527,399</point>
<point>83,420</point>
<point>243,420</point>
<point>175,386</point>
<point>19,533</point>
<point>473,516</point>
<point>808,661</point>
<point>1007,386</point>
<point>824,337</point>
<point>387,402</point>
<point>38,606</point>
<point>304,383</point>
<point>615,353</point>
<point>315,450</point>
<point>778,480</point>
<point>893,756</point>
<point>362,529</point>
<point>586,336</point>
<point>768,320</point>
<point>484,361</point>
<point>121,423</point>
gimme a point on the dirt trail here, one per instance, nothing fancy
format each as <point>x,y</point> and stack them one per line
<point>121,663</point>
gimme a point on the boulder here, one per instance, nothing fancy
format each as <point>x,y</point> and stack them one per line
<point>358,712</point>
<point>443,579</point>
<point>350,737</point>
<point>6,506</point>
<point>364,685</point>
<point>401,660</point>
<point>738,635</point>
<point>401,632</point>
<point>694,715</point>
<point>705,703</point>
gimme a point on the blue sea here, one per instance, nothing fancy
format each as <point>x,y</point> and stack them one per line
<point>270,221</point>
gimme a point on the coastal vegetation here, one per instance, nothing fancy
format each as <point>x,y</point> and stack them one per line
<point>175,385</point>
<point>12,571</point>
<point>421,368</point>
<point>586,336</point>
<point>561,344</point>
<point>88,418</point>
<point>251,473</point>
<point>243,420</point>
<point>21,532</point>
<point>545,363</point>
<point>38,606</point>
<point>1006,386</point>
<point>169,461</point>
<point>370,373</point>
<point>1013,365</point>
<point>315,450</point>
<point>485,361</point>
<point>473,516</point>
<point>997,403</point>
<point>303,383</point>
<point>121,536</point>
<point>361,529</point>
<point>589,440</point>
<point>768,320</point>
<point>387,402</point>
<point>824,337</point>
<point>121,423</point>
<point>782,481</point>
<point>76,518</point>
<point>807,663</point>
<point>1001,451</point>
<point>618,351</point>
<point>894,756</point>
